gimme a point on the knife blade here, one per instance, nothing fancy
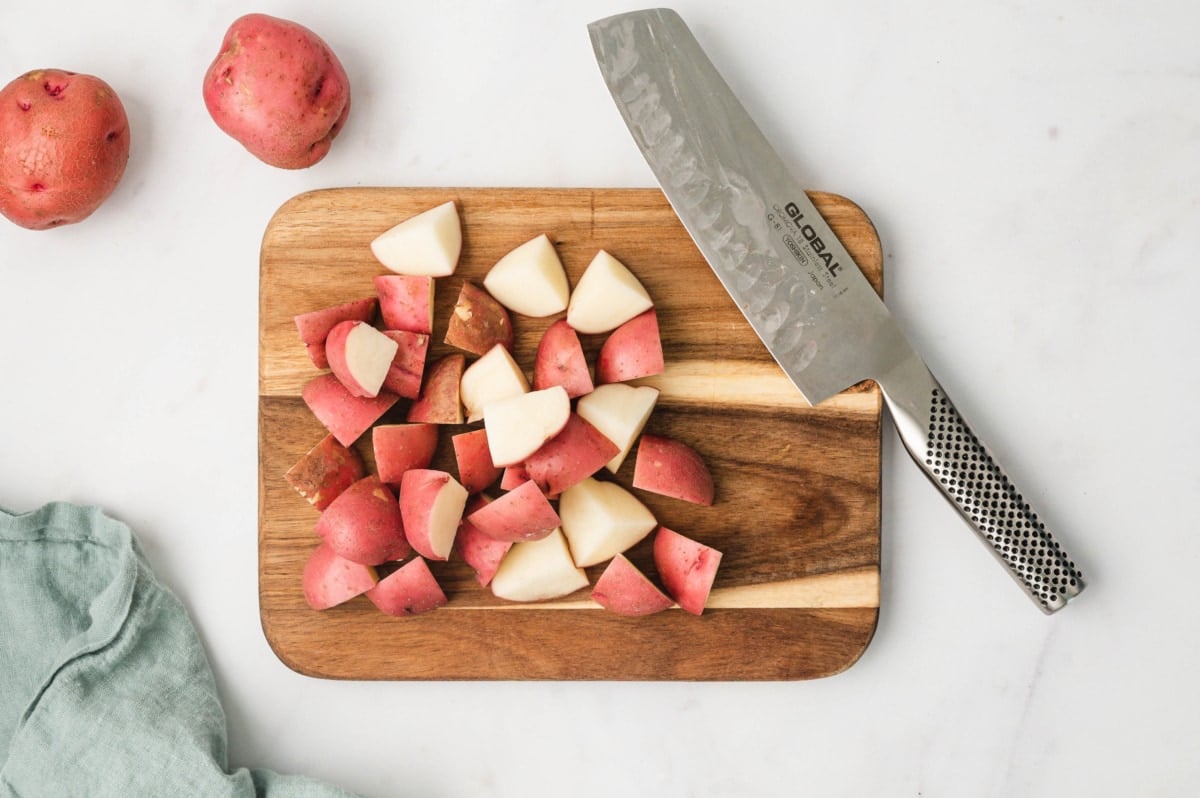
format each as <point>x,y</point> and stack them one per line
<point>798,286</point>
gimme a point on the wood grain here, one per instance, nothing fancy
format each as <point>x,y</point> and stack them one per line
<point>798,506</point>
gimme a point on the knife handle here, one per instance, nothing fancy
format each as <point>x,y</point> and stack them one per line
<point>950,454</point>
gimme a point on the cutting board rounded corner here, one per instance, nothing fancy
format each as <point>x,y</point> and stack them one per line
<point>857,232</point>
<point>291,657</point>
<point>291,211</point>
<point>291,652</point>
<point>853,656</point>
<point>287,209</point>
<point>846,205</point>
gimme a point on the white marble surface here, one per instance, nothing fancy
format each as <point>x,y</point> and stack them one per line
<point>1034,173</point>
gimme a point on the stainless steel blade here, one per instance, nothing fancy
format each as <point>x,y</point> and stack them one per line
<point>798,286</point>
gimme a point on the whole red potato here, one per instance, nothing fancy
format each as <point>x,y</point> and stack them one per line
<point>279,90</point>
<point>64,143</point>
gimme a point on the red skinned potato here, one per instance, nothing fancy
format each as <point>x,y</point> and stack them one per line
<point>440,401</point>
<point>478,322</point>
<point>575,453</point>
<point>514,476</point>
<point>64,144</point>
<point>364,524</point>
<point>325,471</point>
<point>625,590</point>
<point>345,415</point>
<point>330,579</point>
<point>406,301</point>
<point>481,552</point>
<point>408,366</point>
<point>316,353</point>
<point>687,568</point>
<point>672,468</point>
<point>315,325</point>
<point>474,458</point>
<point>402,447</point>
<point>409,590</point>
<point>560,361</point>
<point>278,89</point>
<point>633,350</point>
<point>360,357</point>
<point>524,513</point>
<point>432,504</point>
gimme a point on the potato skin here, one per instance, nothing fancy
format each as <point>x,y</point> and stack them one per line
<point>478,322</point>
<point>278,89</point>
<point>343,414</point>
<point>633,350</point>
<point>410,590</point>
<point>330,579</point>
<point>325,471</point>
<point>440,400</point>
<point>578,451</point>
<point>363,524</point>
<point>64,144</point>
<point>625,590</point>
<point>686,567</point>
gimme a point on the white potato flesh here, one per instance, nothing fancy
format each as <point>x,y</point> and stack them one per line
<point>620,412</point>
<point>490,378</point>
<point>530,279</point>
<point>538,570</point>
<point>369,355</point>
<point>426,244</point>
<point>445,513</point>
<point>519,425</point>
<point>606,296</point>
<point>431,506</point>
<point>601,520</point>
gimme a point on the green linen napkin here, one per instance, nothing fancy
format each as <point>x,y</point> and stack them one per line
<point>104,687</point>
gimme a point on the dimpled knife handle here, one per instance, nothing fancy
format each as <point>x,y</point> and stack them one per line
<point>940,441</point>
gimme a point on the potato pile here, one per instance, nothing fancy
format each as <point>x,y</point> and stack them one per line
<point>529,508</point>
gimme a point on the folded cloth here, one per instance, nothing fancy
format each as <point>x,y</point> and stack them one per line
<point>104,687</point>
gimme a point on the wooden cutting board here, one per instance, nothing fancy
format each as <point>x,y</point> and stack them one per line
<point>797,514</point>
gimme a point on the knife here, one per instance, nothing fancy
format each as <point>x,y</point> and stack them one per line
<point>798,286</point>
